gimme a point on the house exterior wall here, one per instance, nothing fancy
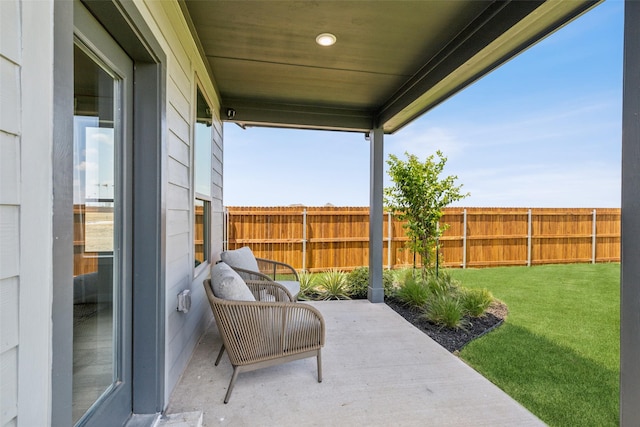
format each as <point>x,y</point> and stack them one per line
<point>26,194</point>
<point>185,71</point>
<point>26,126</point>
<point>10,68</point>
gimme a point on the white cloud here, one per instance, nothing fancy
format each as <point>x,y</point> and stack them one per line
<point>586,185</point>
<point>424,140</point>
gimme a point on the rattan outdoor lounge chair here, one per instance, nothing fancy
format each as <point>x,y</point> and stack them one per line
<point>258,334</point>
<point>251,268</point>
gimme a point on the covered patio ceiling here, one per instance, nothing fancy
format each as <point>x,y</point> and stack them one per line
<point>393,60</point>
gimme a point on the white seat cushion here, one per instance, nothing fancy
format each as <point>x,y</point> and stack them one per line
<point>240,258</point>
<point>227,284</point>
<point>266,296</point>
<point>292,286</point>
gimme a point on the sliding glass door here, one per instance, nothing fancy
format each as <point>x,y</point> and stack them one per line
<point>103,76</point>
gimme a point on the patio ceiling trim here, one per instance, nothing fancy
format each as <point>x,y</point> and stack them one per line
<point>499,32</point>
<point>271,114</point>
<point>497,36</point>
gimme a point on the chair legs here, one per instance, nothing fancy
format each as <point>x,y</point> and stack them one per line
<point>220,355</point>
<point>231,384</point>
<point>237,369</point>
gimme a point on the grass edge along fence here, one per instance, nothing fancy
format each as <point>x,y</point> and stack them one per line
<point>321,238</point>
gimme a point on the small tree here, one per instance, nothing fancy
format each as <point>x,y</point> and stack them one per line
<point>419,196</point>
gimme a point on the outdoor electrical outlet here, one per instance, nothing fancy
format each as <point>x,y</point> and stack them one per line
<point>184,301</point>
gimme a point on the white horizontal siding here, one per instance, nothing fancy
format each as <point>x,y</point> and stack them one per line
<point>178,197</point>
<point>217,125</point>
<point>178,174</point>
<point>177,221</point>
<point>8,386</point>
<point>178,100</point>
<point>9,169</point>
<point>8,350</point>
<point>10,24</point>
<point>178,270</point>
<point>9,96</point>
<point>184,68</point>
<point>178,149</point>
<point>217,146</point>
<point>10,110</point>
<point>8,313</point>
<point>176,245</point>
<point>177,124</point>
<point>9,241</point>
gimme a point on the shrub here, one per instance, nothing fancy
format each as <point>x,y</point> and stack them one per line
<point>444,301</point>
<point>446,310</point>
<point>442,284</point>
<point>476,301</point>
<point>332,284</point>
<point>413,292</point>
<point>358,282</point>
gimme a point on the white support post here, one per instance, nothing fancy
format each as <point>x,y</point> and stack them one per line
<point>376,219</point>
<point>594,241</point>
<point>304,240</point>
<point>464,238</point>
<point>529,239</point>
<point>389,240</point>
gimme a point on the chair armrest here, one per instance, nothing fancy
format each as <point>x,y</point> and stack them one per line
<point>270,267</point>
<point>257,281</point>
<point>269,330</point>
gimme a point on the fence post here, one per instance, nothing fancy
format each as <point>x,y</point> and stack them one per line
<point>304,239</point>
<point>389,232</point>
<point>225,231</point>
<point>593,239</point>
<point>529,240</point>
<point>464,238</point>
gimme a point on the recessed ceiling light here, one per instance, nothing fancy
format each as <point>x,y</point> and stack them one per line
<point>326,39</point>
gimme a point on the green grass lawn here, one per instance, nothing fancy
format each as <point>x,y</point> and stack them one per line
<point>558,351</point>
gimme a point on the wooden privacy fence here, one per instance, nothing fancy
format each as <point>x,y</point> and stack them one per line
<point>321,238</point>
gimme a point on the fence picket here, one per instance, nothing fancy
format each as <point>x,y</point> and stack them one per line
<point>337,237</point>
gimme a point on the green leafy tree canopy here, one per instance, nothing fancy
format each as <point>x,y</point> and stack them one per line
<point>418,196</point>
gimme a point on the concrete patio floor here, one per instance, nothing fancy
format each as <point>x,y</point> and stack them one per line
<point>378,370</point>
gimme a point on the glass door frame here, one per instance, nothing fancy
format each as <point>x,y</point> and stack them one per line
<point>94,41</point>
<point>127,26</point>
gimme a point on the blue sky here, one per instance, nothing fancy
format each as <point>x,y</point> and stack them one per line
<point>543,130</point>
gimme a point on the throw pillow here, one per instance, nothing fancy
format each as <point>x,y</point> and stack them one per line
<point>227,284</point>
<point>240,258</point>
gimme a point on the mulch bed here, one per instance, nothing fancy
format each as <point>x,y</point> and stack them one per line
<point>453,339</point>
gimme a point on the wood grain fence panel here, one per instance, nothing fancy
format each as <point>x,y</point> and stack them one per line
<point>338,237</point>
<point>608,235</point>
<point>451,243</point>
<point>560,236</point>
<point>270,233</point>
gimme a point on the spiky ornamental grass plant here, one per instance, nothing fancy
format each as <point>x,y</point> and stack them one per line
<point>441,297</point>
<point>442,283</point>
<point>413,292</point>
<point>332,284</point>
<point>476,301</point>
<point>308,287</point>
<point>446,310</point>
